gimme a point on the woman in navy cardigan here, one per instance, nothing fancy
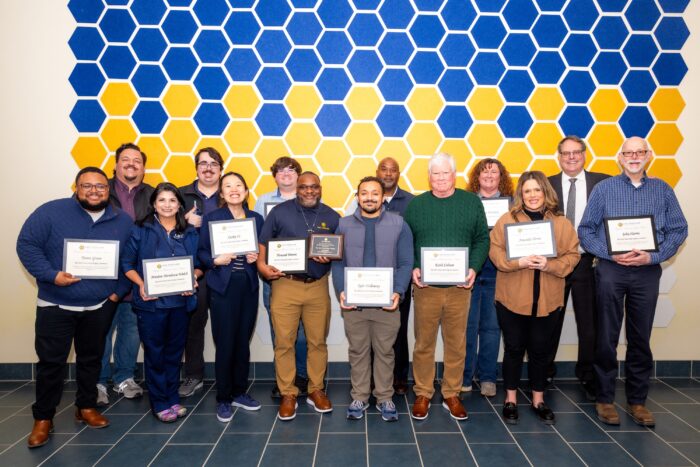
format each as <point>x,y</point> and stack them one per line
<point>233,285</point>
<point>162,321</point>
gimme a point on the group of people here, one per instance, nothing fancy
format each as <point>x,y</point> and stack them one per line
<point>523,298</point>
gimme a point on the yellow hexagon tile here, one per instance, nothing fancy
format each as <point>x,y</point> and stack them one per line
<point>485,103</point>
<point>156,152</point>
<point>309,164</point>
<point>116,132</point>
<point>485,139</point>
<point>181,136</point>
<point>607,166</point>
<point>546,103</point>
<point>363,138</point>
<point>264,185</point>
<point>395,148</point>
<point>424,138</point>
<point>154,178</point>
<point>268,151</point>
<point>332,155</point>
<point>336,191</point>
<point>242,136</point>
<point>458,149</point>
<point>515,156</point>
<point>359,168</point>
<point>180,100</point>
<point>667,104</point>
<point>548,166</point>
<point>425,103</point>
<point>363,103</point>
<point>179,170</point>
<point>417,174</point>
<point>607,105</point>
<point>89,151</point>
<point>241,101</point>
<point>544,137</point>
<point>245,166</point>
<point>302,138</point>
<point>605,140</point>
<point>212,142</point>
<point>666,169</point>
<point>302,101</point>
<point>665,139</point>
<point>118,99</point>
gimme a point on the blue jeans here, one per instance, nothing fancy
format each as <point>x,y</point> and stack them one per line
<point>483,332</point>
<point>300,347</point>
<point>126,346</point>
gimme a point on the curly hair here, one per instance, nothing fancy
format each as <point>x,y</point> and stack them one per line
<point>505,185</point>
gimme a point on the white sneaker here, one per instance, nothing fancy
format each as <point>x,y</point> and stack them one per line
<point>102,396</point>
<point>129,389</point>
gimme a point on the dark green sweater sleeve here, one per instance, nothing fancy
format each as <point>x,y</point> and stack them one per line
<point>480,237</point>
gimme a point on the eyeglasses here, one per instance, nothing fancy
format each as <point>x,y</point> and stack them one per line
<point>99,187</point>
<point>309,187</point>
<point>630,154</point>
<point>208,165</point>
<point>286,170</point>
<point>576,153</point>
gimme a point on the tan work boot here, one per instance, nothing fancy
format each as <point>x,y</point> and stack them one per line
<point>607,413</point>
<point>641,415</point>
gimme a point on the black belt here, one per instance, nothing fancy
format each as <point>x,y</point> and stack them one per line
<point>305,280</point>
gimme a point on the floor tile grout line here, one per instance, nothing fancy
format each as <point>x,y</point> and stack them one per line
<point>515,441</point>
<point>413,430</point>
<point>10,446</point>
<point>367,440</point>
<point>216,444</point>
<point>120,438</point>
<point>67,441</point>
<point>318,438</point>
<point>675,389</point>
<point>269,435</point>
<point>673,414</point>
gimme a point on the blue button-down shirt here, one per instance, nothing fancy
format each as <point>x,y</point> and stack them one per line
<point>269,197</point>
<point>618,197</point>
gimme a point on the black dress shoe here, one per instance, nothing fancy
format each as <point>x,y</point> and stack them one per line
<point>510,413</point>
<point>400,386</point>
<point>303,385</point>
<point>589,390</point>
<point>544,413</point>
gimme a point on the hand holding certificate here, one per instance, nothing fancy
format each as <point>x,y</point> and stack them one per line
<point>630,233</point>
<point>369,287</point>
<point>235,237</point>
<point>168,276</point>
<point>444,266</point>
<point>91,259</point>
<point>530,238</point>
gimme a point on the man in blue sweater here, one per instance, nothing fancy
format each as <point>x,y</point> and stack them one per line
<point>70,309</point>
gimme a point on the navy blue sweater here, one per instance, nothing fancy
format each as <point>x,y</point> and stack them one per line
<point>40,249</point>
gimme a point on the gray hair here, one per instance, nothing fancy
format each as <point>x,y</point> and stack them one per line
<point>439,158</point>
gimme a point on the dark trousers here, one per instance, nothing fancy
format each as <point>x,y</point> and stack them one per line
<point>194,348</point>
<point>634,290</point>
<point>55,331</point>
<point>401,344</point>
<point>233,316</point>
<point>163,333</point>
<point>580,283</point>
<point>531,334</point>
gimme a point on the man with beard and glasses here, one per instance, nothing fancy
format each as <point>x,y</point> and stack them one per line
<point>127,192</point>
<point>201,197</point>
<point>71,310</point>
<point>298,297</point>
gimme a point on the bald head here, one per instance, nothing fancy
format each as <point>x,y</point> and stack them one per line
<point>388,172</point>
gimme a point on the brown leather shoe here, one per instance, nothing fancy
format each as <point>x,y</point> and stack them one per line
<point>40,433</point>
<point>421,407</point>
<point>319,401</point>
<point>454,405</point>
<point>288,407</point>
<point>641,415</point>
<point>607,413</point>
<point>91,417</point>
<point>400,386</point>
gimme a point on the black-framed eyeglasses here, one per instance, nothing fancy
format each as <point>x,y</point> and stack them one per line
<point>98,187</point>
<point>208,165</point>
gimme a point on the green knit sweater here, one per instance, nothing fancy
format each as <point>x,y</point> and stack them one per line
<point>456,221</point>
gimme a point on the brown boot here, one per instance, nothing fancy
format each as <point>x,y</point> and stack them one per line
<point>607,413</point>
<point>91,417</point>
<point>421,407</point>
<point>288,407</point>
<point>40,433</point>
<point>641,415</point>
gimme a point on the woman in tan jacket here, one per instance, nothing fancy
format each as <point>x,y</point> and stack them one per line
<point>530,291</point>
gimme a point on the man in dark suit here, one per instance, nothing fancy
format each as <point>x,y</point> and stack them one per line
<point>573,186</point>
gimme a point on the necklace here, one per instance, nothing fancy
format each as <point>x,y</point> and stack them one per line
<point>309,229</point>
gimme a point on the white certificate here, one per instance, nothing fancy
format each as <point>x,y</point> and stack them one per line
<point>269,205</point>
<point>444,266</point>
<point>369,287</point>
<point>91,259</point>
<point>494,209</point>
<point>630,233</point>
<point>287,254</point>
<point>168,276</point>
<point>530,238</point>
<point>236,236</point>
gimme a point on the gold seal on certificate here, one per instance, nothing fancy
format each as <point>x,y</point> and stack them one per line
<point>494,209</point>
<point>168,276</point>
<point>631,233</point>
<point>287,254</point>
<point>530,238</point>
<point>330,246</point>
<point>269,205</point>
<point>236,237</point>
<point>91,259</point>
<point>369,287</point>
<point>444,266</point>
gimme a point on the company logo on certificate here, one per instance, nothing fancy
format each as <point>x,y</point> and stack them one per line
<point>168,276</point>
<point>631,233</point>
<point>236,237</point>
<point>287,254</point>
<point>444,266</point>
<point>369,287</point>
<point>91,259</point>
<point>530,238</point>
<point>494,208</point>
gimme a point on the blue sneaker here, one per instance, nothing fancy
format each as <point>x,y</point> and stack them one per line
<point>224,412</point>
<point>356,410</point>
<point>388,410</point>
<point>246,402</point>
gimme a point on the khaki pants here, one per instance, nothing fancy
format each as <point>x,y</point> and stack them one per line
<point>291,301</point>
<point>435,306</point>
<point>367,330</point>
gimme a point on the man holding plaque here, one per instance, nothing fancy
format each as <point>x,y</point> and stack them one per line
<point>299,293</point>
<point>71,310</point>
<point>446,220</point>
<point>374,238</point>
<point>647,210</point>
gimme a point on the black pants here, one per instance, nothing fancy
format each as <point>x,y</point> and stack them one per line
<point>580,283</point>
<point>194,348</point>
<point>633,290</point>
<point>233,316</point>
<point>522,333</point>
<point>55,331</point>
<point>401,344</point>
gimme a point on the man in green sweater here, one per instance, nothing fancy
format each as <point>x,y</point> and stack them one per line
<point>444,217</point>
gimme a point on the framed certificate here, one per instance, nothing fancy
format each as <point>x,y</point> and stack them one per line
<point>235,236</point>
<point>530,238</point>
<point>494,209</point>
<point>630,233</point>
<point>330,246</point>
<point>91,259</point>
<point>269,205</point>
<point>168,276</point>
<point>369,287</point>
<point>287,254</point>
<point>444,266</point>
